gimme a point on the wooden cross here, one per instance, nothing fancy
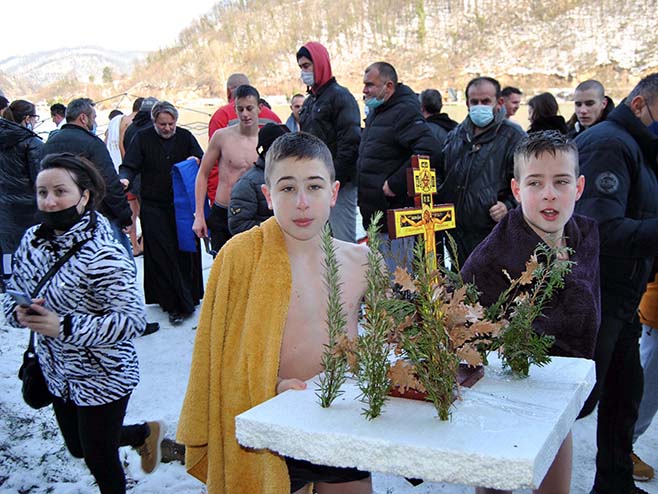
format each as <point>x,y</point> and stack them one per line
<point>426,217</point>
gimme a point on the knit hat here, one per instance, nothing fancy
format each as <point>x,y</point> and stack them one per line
<point>267,135</point>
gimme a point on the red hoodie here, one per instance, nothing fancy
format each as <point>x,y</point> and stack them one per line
<point>321,64</point>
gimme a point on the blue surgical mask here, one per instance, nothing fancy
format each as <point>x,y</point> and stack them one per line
<point>308,78</point>
<point>481,115</point>
<point>373,103</point>
<point>653,126</point>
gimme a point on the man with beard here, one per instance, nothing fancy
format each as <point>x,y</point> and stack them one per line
<point>395,130</point>
<point>172,278</point>
<point>478,166</point>
<point>77,137</point>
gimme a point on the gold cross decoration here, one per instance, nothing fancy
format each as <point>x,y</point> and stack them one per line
<point>426,217</point>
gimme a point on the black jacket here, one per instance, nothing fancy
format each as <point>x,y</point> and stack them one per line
<point>153,157</point>
<point>333,116</point>
<point>618,160</point>
<point>394,132</point>
<point>440,125</point>
<point>74,139</point>
<point>20,153</point>
<point>476,173</point>
<point>248,206</point>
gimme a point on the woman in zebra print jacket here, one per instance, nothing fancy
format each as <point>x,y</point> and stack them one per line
<point>85,318</point>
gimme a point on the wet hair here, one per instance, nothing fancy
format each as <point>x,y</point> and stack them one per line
<point>299,146</point>
<point>543,105</point>
<point>57,109</point>
<point>137,104</point>
<point>386,71</point>
<point>481,80</point>
<point>18,110</point>
<point>77,107</point>
<point>509,91</point>
<point>163,107</point>
<point>244,91</point>
<point>431,100</point>
<point>591,84</point>
<point>114,113</point>
<point>83,172</point>
<point>538,143</point>
<point>647,88</point>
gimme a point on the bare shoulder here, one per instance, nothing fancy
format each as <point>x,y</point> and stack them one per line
<point>220,135</point>
<point>353,257</point>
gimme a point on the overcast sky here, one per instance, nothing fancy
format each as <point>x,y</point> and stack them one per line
<point>39,25</point>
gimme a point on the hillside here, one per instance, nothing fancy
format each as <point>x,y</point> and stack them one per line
<point>433,42</point>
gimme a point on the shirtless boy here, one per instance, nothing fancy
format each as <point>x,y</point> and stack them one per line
<point>547,184</point>
<point>234,150</point>
<point>262,332</point>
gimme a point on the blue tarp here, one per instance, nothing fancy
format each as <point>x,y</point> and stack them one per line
<point>183,175</point>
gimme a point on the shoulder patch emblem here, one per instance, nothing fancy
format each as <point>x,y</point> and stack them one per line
<point>607,183</point>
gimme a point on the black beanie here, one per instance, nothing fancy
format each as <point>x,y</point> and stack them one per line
<point>267,135</point>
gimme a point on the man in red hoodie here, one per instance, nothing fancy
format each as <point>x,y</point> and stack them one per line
<point>225,116</point>
<point>331,113</point>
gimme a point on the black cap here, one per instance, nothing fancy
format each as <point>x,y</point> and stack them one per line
<point>267,135</point>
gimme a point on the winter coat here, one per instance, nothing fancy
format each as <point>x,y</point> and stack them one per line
<point>440,125</point>
<point>74,139</point>
<point>95,293</point>
<point>394,132</point>
<point>475,174</point>
<point>332,115</point>
<point>618,160</point>
<point>20,152</point>
<point>573,314</point>
<point>248,206</point>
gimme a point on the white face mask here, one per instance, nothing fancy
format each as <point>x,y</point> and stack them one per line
<point>308,78</point>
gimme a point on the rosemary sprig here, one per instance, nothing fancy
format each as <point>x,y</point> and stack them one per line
<point>333,361</point>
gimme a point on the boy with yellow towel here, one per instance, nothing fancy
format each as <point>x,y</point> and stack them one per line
<point>262,328</point>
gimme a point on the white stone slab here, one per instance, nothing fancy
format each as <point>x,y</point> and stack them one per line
<point>503,434</point>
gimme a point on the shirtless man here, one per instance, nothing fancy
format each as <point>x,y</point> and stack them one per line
<point>234,149</point>
<point>133,200</point>
<point>279,267</point>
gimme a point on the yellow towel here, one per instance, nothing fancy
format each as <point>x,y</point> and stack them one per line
<point>649,304</point>
<point>235,363</point>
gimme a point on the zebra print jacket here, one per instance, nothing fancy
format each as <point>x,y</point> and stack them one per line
<point>93,360</point>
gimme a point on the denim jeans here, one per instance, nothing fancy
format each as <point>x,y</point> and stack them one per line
<point>649,361</point>
<point>343,215</point>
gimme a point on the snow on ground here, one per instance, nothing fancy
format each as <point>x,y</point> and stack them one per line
<point>34,460</point>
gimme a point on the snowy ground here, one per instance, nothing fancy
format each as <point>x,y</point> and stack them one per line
<point>33,458</point>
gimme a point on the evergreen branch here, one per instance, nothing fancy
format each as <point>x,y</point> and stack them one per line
<point>334,362</point>
<point>372,345</point>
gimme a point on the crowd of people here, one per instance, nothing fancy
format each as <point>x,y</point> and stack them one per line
<point>262,192</point>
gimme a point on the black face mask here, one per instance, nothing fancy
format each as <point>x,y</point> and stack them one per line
<point>61,220</point>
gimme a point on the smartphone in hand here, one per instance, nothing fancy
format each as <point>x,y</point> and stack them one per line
<point>22,299</point>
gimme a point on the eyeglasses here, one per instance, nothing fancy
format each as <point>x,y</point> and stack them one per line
<point>36,117</point>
